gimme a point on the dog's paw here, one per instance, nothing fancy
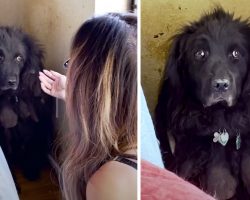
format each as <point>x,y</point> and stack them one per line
<point>221,183</point>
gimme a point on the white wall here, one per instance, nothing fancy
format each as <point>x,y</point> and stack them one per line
<point>104,6</point>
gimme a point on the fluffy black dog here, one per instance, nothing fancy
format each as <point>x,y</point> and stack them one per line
<point>25,111</point>
<point>203,112</point>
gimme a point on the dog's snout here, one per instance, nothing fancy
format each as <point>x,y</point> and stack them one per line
<point>221,85</point>
<point>12,80</point>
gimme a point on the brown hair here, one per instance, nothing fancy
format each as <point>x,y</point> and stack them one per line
<point>101,99</point>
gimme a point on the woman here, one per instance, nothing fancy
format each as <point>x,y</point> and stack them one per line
<point>99,152</point>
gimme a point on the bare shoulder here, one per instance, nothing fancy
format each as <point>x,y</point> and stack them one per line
<point>113,180</point>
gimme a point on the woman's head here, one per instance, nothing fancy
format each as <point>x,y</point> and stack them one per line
<point>101,97</point>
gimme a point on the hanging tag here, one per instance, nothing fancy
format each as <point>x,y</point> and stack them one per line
<point>221,137</point>
<point>238,141</point>
<point>216,137</point>
<point>16,99</point>
<point>224,137</point>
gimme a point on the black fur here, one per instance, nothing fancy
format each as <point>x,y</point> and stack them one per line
<point>25,111</point>
<point>183,112</point>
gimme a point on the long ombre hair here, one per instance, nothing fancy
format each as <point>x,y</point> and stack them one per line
<point>101,99</point>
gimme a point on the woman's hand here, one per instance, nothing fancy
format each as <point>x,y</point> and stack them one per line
<point>53,83</point>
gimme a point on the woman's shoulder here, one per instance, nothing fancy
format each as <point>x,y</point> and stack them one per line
<point>114,180</point>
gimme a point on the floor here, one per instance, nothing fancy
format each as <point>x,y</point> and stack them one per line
<point>46,188</point>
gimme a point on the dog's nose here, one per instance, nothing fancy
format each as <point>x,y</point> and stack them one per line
<point>12,81</point>
<point>221,85</point>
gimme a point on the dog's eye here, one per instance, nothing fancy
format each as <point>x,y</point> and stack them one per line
<point>19,58</point>
<point>235,54</point>
<point>201,54</point>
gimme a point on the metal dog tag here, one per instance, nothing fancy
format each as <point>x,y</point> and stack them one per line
<point>221,137</point>
<point>216,137</point>
<point>238,141</point>
<point>224,137</point>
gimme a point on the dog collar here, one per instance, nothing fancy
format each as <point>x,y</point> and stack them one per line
<point>222,137</point>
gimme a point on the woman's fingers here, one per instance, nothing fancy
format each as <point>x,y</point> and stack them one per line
<point>53,83</point>
<point>56,74</point>
<point>61,79</point>
<point>49,74</point>
<point>46,90</point>
<point>46,81</point>
<point>46,78</point>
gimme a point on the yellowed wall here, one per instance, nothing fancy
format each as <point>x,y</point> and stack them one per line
<point>160,20</point>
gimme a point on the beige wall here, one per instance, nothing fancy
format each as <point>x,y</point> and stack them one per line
<point>10,12</point>
<point>160,20</point>
<point>53,23</point>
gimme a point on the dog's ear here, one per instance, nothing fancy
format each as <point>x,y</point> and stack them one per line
<point>246,86</point>
<point>173,74</point>
<point>245,30</point>
<point>175,61</point>
<point>171,94</point>
<point>33,64</point>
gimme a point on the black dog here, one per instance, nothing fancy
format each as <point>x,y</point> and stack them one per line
<point>25,111</point>
<point>204,106</point>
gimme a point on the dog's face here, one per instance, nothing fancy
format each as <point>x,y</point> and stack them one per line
<point>215,54</point>
<point>12,59</point>
<point>217,63</point>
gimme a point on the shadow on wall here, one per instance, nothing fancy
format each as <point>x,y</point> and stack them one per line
<point>161,19</point>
